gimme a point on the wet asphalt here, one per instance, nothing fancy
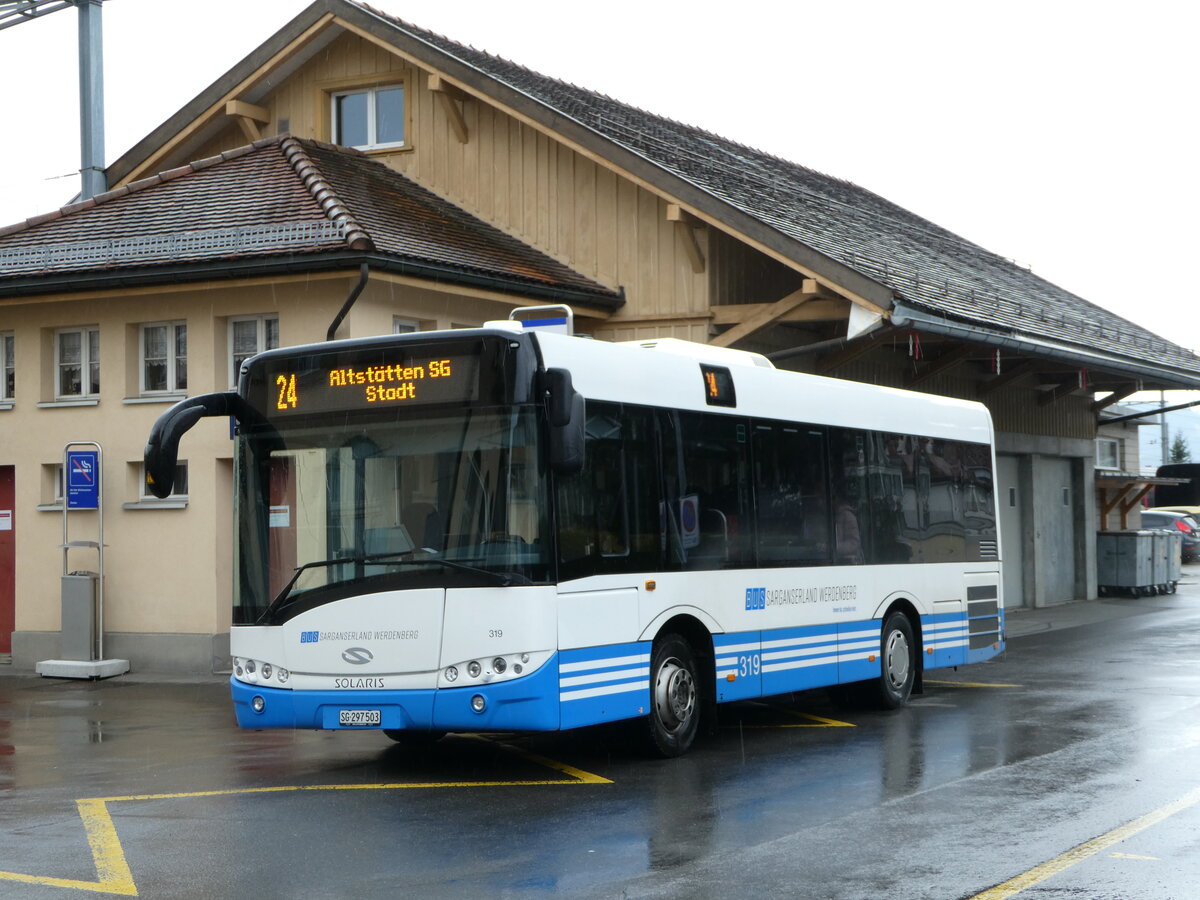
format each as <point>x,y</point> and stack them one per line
<point>1071,764</point>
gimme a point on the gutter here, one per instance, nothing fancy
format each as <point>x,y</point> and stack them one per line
<point>364,272</point>
<point>261,267</point>
<point>1152,412</point>
<point>907,316</point>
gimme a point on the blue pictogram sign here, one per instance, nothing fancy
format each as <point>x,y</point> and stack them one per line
<point>83,479</point>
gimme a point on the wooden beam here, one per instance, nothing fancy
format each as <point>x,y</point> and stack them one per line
<point>248,110</point>
<point>826,308</point>
<point>449,98</point>
<point>946,361</point>
<point>1115,397</point>
<point>854,349</point>
<point>685,227</point>
<point>766,316</point>
<point>248,116</point>
<point>1016,373</point>
<point>1064,388</point>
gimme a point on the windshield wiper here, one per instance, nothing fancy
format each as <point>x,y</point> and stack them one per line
<point>503,579</point>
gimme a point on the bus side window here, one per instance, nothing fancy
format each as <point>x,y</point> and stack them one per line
<point>608,513</point>
<point>857,530</point>
<point>716,521</point>
<point>791,493</point>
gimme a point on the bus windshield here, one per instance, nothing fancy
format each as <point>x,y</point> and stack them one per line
<point>338,505</point>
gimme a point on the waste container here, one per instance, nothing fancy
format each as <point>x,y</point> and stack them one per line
<point>79,615</point>
<point>1174,557</point>
<point>1125,561</point>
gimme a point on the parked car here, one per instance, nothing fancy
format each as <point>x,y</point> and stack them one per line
<point>1193,511</point>
<point>1172,519</point>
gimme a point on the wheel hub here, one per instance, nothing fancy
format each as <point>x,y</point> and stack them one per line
<point>674,695</point>
<point>896,659</point>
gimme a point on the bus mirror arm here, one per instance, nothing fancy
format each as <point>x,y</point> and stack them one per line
<point>162,447</point>
<point>567,440</point>
<point>567,416</point>
<point>559,394</point>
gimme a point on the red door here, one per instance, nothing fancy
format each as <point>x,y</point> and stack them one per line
<point>8,558</point>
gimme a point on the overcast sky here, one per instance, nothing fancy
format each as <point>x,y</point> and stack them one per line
<point>1059,134</point>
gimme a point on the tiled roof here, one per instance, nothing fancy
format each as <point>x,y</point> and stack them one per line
<point>923,265</point>
<point>277,197</point>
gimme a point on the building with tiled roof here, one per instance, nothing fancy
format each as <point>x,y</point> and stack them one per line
<point>477,186</point>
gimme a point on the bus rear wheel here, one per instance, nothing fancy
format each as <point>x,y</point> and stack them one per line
<point>897,661</point>
<point>674,697</point>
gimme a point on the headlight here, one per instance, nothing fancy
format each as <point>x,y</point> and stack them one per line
<point>473,669</point>
<point>499,665</point>
<point>451,673</point>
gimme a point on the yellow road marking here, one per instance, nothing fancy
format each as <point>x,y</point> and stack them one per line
<point>973,684</point>
<point>1134,856</point>
<point>821,722</point>
<point>113,875</point>
<point>814,722</point>
<point>1064,861</point>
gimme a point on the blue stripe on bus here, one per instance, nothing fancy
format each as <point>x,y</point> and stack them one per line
<point>946,635</point>
<point>599,684</point>
<point>529,703</point>
<point>739,676</point>
<point>602,684</point>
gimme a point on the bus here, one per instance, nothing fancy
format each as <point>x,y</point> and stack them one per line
<point>507,529</point>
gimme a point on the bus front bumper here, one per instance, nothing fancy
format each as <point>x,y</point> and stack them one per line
<point>529,703</point>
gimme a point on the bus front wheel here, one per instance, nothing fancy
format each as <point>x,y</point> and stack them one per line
<point>674,697</point>
<point>897,661</point>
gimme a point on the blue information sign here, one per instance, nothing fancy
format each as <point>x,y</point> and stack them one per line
<point>83,479</point>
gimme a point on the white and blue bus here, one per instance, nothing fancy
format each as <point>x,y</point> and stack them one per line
<point>503,529</point>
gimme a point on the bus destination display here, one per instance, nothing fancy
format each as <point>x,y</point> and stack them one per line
<point>353,384</point>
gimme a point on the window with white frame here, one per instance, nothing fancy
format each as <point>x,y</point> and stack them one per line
<point>77,362</point>
<point>1108,454</point>
<point>179,487</point>
<point>250,335</point>
<point>8,366</point>
<point>164,357</point>
<point>405,326</point>
<point>370,118</point>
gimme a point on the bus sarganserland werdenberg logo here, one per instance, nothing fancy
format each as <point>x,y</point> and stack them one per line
<point>756,598</point>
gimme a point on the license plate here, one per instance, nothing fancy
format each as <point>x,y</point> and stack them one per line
<point>358,717</point>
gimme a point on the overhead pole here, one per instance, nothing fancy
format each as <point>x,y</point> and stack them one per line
<point>91,80</point>
<point>91,100</point>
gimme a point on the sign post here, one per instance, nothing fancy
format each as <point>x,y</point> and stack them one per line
<point>82,632</point>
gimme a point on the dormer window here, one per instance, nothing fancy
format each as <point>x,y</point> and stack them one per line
<point>369,119</point>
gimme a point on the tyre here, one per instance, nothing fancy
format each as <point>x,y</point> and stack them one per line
<point>897,662</point>
<point>674,697</point>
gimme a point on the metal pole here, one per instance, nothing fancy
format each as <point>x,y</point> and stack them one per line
<point>1162,418</point>
<point>91,100</point>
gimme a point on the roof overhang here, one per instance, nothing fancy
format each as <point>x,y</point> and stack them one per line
<point>300,263</point>
<point>1143,370</point>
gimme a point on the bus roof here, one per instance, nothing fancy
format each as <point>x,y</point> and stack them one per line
<point>667,373</point>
